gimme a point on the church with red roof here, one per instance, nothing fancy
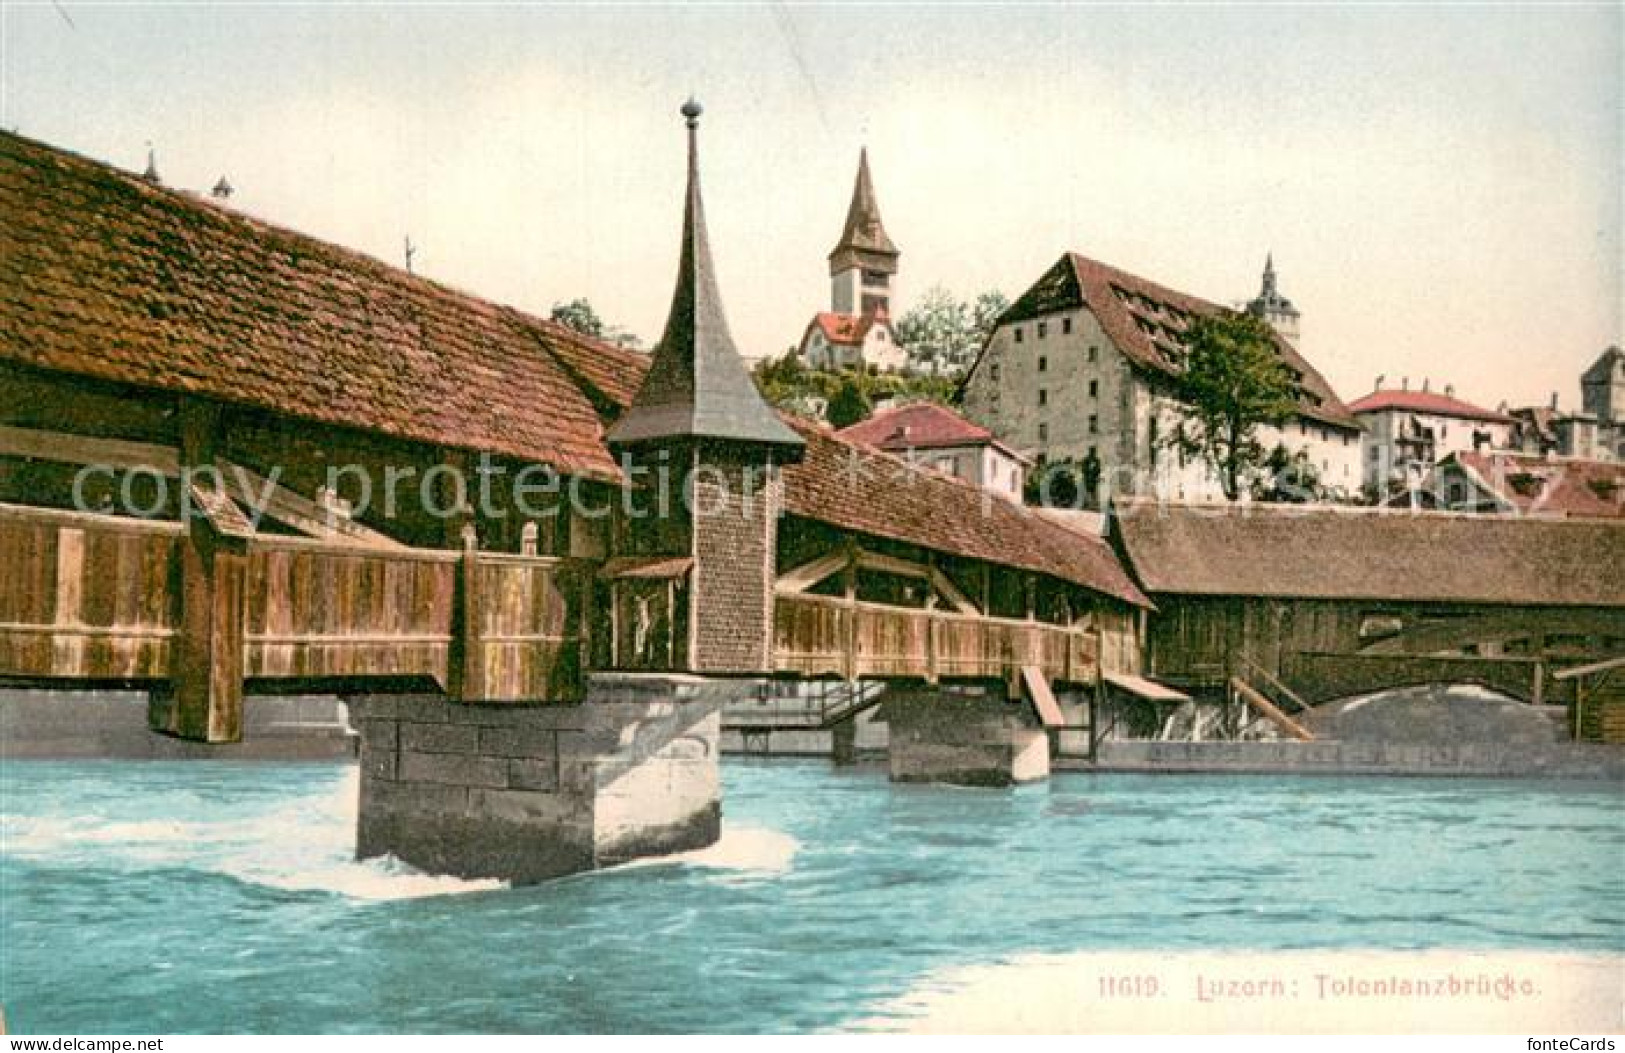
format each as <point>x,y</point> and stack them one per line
<point>856,331</point>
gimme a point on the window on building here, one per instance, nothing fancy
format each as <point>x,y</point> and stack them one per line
<point>1018,334</point>
<point>1043,397</point>
<point>993,372</point>
<point>1043,330</point>
<point>1066,326</point>
<point>1094,424</point>
<point>1094,353</point>
<point>880,335</point>
<point>1043,433</point>
<point>1094,389</point>
<point>1043,363</point>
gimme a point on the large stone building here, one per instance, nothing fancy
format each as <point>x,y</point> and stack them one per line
<point>1083,362</point>
<point>1408,432</point>
<point>856,330</point>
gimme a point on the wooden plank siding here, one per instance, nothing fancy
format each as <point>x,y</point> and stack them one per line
<point>86,597</point>
<point>93,597</point>
<point>316,611</point>
<point>820,636</point>
<point>529,636</point>
<point>1323,647</point>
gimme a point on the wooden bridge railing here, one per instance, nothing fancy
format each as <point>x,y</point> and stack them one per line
<point>314,610</point>
<point>86,597</point>
<point>102,598</point>
<point>827,636</point>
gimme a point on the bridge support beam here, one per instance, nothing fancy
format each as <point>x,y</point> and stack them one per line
<point>968,735</point>
<point>530,792</point>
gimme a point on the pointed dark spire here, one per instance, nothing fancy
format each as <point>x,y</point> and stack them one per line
<point>864,241</point>
<point>1269,275</point>
<point>151,174</point>
<point>697,386</point>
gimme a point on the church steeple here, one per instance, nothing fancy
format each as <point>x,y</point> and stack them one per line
<point>863,261</point>
<point>697,386</point>
<point>1272,307</point>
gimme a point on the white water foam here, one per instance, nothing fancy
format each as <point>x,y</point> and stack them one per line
<point>750,850</point>
<point>307,845</point>
<point>304,845</point>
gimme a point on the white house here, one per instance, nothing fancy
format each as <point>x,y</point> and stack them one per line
<point>934,436</point>
<point>1408,432</point>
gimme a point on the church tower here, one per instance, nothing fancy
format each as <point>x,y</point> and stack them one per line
<point>1274,308</point>
<point>863,263</point>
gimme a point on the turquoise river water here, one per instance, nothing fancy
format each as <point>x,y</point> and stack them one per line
<point>204,897</point>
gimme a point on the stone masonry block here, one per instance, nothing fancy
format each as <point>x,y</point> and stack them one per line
<point>453,769</point>
<point>519,742</point>
<point>526,773</point>
<point>439,738</point>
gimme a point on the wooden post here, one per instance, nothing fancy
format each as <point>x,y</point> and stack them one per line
<point>207,700</point>
<point>849,578</point>
<point>471,685</point>
<point>932,672</point>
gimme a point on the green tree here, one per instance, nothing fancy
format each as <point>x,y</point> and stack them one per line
<point>1233,382</point>
<point>985,314</point>
<point>579,315</point>
<point>945,329</point>
<point>1289,478</point>
<point>1065,483</point>
<point>850,403</point>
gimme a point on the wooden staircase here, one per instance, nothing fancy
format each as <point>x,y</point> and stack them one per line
<point>1599,701</point>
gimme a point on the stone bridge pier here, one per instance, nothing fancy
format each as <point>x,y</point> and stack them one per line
<point>966,734</point>
<point>530,792</point>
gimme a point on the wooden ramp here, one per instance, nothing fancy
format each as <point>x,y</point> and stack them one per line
<point>1268,710</point>
<point>1042,698</point>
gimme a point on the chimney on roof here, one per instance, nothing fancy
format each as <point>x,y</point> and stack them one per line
<point>1450,391</point>
<point>1554,400</point>
<point>1426,383</point>
<point>1380,378</point>
<point>1405,384</point>
<point>222,190</point>
<point>151,174</point>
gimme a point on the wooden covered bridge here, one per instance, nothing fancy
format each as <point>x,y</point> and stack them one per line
<point>235,459</point>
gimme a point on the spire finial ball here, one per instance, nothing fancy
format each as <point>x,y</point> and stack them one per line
<point>692,110</point>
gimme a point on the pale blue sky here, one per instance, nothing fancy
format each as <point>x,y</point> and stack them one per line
<point>1441,186</point>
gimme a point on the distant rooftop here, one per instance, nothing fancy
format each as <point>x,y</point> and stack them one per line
<point>1433,402</point>
<point>921,426</point>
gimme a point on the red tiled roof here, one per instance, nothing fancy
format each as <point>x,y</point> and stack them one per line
<point>1432,402</point>
<point>918,425</point>
<point>843,329</point>
<point>856,487</point>
<point>105,275</point>
<point>1550,486</point>
<point>1147,321</point>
